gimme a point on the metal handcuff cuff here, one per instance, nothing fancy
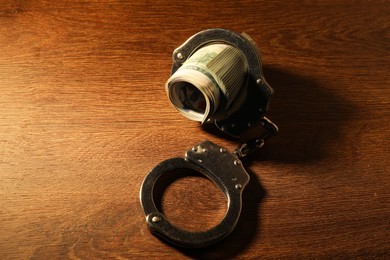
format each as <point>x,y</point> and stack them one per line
<point>216,78</point>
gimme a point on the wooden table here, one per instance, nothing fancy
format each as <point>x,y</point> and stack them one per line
<point>84,117</point>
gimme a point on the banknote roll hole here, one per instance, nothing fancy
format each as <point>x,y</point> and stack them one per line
<point>188,97</point>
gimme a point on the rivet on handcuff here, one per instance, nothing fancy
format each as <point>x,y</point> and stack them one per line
<point>216,78</point>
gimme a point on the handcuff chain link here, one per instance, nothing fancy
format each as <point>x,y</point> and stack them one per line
<point>253,145</point>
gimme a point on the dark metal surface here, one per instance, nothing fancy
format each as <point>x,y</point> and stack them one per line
<point>228,174</point>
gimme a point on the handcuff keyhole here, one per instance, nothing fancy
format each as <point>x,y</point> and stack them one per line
<point>189,200</point>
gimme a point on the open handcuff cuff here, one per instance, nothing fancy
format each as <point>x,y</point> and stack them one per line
<point>240,111</point>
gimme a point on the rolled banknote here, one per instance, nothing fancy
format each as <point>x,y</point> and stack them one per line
<point>208,81</point>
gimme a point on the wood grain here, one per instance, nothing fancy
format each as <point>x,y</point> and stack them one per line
<point>84,116</point>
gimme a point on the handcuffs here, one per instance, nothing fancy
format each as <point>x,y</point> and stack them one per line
<point>228,173</point>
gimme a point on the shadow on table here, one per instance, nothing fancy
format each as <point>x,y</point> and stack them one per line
<point>308,115</point>
<point>310,119</point>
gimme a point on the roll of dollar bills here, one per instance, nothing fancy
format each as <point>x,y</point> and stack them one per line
<point>210,78</point>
